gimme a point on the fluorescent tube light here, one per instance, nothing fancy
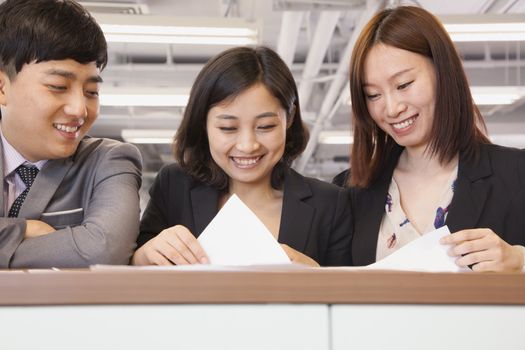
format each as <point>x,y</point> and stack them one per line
<point>178,30</point>
<point>143,97</point>
<point>496,95</point>
<point>172,39</point>
<point>485,27</point>
<point>136,100</point>
<point>336,137</point>
<point>509,140</point>
<point>486,36</point>
<point>153,136</point>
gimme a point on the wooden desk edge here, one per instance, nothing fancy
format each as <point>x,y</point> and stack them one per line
<point>84,287</point>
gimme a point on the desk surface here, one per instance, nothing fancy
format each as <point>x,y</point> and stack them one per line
<point>302,286</point>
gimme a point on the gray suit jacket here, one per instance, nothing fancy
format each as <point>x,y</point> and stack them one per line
<point>90,198</point>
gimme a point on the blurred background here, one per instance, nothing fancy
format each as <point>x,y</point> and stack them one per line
<point>157,47</point>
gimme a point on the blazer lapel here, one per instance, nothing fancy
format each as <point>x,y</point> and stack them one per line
<point>471,192</point>
<point>369,212</point>
<point>204,204</point>
<point>296,215</point>
<point>2,214</point>
<point>369,207</point>
<point>44,187</point>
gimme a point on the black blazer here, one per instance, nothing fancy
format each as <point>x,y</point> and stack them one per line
<point>489,193</point>
<point>315,217</point>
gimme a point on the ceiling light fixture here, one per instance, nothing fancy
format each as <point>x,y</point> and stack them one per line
<point>143,97</point>
<point>148,136</point>
<point>496,95</point>
<point>508,27</point>
<point>178,30</point>
<point>336,137</point>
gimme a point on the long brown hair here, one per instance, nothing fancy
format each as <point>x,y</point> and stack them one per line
<point>459,126</point>
<point>225,76</point>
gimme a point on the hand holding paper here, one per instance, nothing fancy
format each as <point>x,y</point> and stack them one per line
<point>422,254</point>
<point>174,245</point>
<point>484,250</point>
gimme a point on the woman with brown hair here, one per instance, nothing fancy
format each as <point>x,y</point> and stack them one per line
<point>240,132</point>
<point>420,158</point>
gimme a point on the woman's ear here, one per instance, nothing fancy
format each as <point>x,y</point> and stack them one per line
<point>291,116</point>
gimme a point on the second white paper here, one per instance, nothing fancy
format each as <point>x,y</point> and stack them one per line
<point>422,254</point>
<point>236,236</point>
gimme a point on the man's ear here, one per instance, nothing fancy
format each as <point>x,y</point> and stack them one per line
<point>4,85</point>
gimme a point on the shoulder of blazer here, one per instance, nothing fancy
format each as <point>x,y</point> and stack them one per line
<point>492,160</point>
<point>93,147</point>
<point>174,176</point>
<point>502,153</point>
<point>304,187</point>
<point>498,161</point>
<point>296,184</point>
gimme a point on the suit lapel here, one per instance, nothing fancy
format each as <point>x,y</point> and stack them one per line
<point>369,207</point>
<point>2,185</point>
<point>204,204</point>
<point>471,192</point>
<point>369,212</point>
<point>44,187</point>
<point>296,215</point>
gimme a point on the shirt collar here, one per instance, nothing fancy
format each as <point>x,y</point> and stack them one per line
<point>13,159</point>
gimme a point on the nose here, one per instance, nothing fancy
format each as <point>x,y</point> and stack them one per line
<point>247,142</point>
<point>75,105</point>
<point>394,105</point>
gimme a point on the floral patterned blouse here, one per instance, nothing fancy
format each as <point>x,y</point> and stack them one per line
<point>396,230</point>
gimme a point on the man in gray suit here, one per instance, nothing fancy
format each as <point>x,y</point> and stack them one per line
<point>68,200</point>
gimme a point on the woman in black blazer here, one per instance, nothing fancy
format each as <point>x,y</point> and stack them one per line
<point>420,157</point>
<point>240,132</point>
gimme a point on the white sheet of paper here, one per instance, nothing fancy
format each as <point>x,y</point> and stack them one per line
<point>236,236</point>
<point>422,254</point>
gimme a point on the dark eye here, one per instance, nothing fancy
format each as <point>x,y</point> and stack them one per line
<point>372,97</point>
<point>266,127</point>
<point>227,128</point>
<point>92,93</point>
<point>57,87</point>
<point>405,85</point>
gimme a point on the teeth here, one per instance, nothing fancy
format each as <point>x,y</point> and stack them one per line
<point>403,124</point>
<point>66,128</point>
<point>246,161</point>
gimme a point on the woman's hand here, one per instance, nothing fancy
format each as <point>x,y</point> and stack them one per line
<point>299,258</point>
<point>483,249</point>
<point>174,245</point>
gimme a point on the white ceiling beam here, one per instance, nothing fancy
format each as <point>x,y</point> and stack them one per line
<point>497,6</point>
<point>508,6</point>
<point>322,38</point>
<point>338,85</point>
<point>289,34</point>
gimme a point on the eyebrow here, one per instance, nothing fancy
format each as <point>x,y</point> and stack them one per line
<point>395,75</point>
<point>259,116</point>
<point>72,76</point>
